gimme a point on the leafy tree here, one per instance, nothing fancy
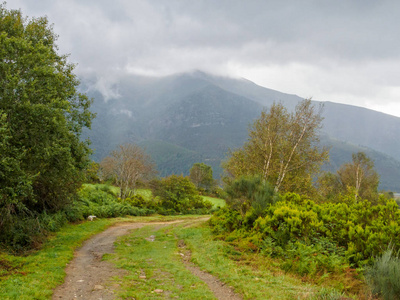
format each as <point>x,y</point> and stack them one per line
<point>15,184</point>
<point>202,176</point>
<point>127,165</point>
<point>179,194</point>
<point>42,116</point>
<point>282,148</point>
<point>360,177</point>
<point>352,181</point>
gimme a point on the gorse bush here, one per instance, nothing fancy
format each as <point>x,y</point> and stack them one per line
<point>314,237</point>
<point>384,275</point>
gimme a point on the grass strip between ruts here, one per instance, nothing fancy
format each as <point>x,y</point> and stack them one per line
<point>156,270</point>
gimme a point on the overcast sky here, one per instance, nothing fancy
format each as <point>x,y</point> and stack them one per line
<point>340,51</point>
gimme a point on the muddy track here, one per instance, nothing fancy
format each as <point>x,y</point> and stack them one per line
<point>220,290</point>
<point>90,277</point>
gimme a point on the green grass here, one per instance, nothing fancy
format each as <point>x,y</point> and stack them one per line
<point>113,189</point>
<point>215,201</point>
<point>384,275</point>
<point>145,193</point>
<point>160,263</point>
<point>252,276</point>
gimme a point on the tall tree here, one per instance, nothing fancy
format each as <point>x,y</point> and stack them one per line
<point>127,165</point>
<point>42,116</point>
<point>282,147</point>
<point>202,176</point>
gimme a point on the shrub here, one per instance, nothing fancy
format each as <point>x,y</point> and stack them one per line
<point>139,201</point>
<point>329,294</point>
<point>250,192</point>
<point>314,238</point>
<point>384,276</point>
<point>102,203</point>
<point>178,194</point>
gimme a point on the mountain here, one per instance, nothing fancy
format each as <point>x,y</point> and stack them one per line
<point>186,118</point>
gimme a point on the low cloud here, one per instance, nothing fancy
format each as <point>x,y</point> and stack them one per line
<point>345,51</point>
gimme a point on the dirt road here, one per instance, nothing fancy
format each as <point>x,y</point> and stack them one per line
<point>89,277</point>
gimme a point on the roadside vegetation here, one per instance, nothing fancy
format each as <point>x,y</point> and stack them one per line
<point>321,228</point>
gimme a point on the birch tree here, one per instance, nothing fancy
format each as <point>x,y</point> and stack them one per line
<point>282,148</point>
<point>360,177</point>
<point>126,166</point>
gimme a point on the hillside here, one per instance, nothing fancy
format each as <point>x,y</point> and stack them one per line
<point>187,118</point>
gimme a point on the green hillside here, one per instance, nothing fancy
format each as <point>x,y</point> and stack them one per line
<point>170,158</point>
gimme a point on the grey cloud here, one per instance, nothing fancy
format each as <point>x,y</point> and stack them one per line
<point>328,40</point>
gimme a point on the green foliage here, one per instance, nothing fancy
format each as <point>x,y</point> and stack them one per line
<point>178,194</point>
<point>104,204</point>
<point>42,116</point>
<point>329,294</point>
<point>250,195</point>
<point>282,148</point>
<point>225,221</point>
<point>15,184</point>
<point>384,275</point>
<point>91,172</point>
<point>356,180</point>
<point>313,237</point>
<point>140,201</point>
<point>202,176</point>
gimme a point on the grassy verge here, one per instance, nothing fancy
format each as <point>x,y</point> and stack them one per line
<point>251,276</point>
<point>36,275</point>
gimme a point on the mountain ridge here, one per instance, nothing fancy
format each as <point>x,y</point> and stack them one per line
<point>207,115</point>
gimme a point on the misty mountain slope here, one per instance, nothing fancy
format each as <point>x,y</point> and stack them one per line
<point>210,121</point>
<point>199,117</point>
<point>361,126</point>
<point>170,158</point>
